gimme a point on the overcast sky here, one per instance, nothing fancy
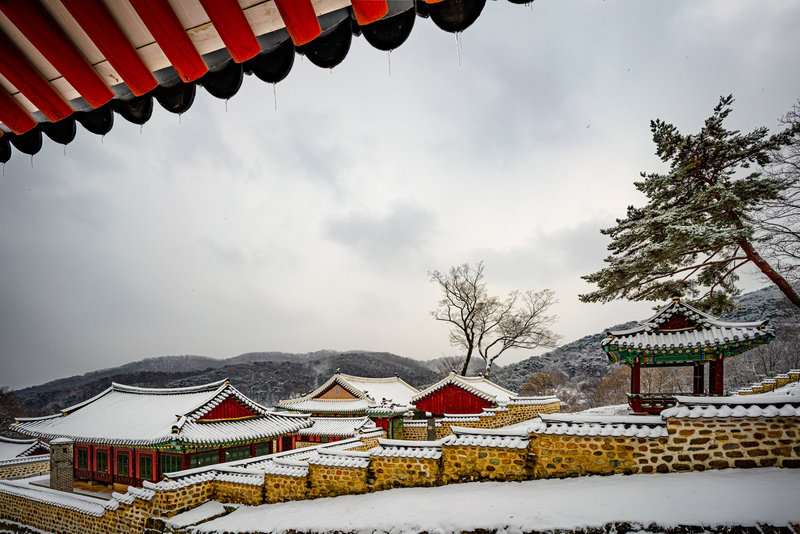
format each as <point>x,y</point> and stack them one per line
<point>239,228</point>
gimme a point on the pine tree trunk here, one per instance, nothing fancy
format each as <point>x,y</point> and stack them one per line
<point>771,273</point>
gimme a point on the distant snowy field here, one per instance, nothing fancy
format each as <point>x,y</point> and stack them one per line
<point>745,497</point>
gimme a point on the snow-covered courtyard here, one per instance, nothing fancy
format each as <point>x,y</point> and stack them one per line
<point>712,498</point>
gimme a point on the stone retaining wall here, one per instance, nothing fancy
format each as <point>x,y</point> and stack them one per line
<point>402,472</point>
<point>25,467</point>
<point>466,464</point>
<point>330,481</point>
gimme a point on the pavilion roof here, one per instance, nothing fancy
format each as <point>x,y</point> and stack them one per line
<point>85,60</point>
<point>128,415</point>
<point>338,426</point>
<point>477,385</point>
<point>376,396</point>
<point>20,448</point>
<point>681,333</point>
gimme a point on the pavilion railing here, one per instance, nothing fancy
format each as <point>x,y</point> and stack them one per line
<point>654,403</point>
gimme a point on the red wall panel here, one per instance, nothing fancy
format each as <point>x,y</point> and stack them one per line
<point>452,399</point>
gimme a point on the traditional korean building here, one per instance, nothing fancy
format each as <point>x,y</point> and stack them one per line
<point>456,394</point>
<point>680,335</point>
<point>381,400</point>
<point>127,434</point>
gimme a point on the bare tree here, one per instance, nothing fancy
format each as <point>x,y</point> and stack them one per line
<point>486,324</point>
<point>778,223</point>
<point>611,389</point>
<point>9,407</point>
<point>544,384</point>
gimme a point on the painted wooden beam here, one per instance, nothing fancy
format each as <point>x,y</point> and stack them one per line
<point>300,20</point>
<point>40,28</point>
<point>234,30</point>
<point>96,20</point>
<point>368,11</point>
<point>13,115</point>
<point>30,82</point>
<point>173,40</point>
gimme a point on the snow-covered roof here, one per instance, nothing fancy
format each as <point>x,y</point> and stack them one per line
<point>477,385</point>
<point>128,415</point>
<point>376,396</point>
<point>338,426</point>
<point>20,448</point>
<point>696,329</point>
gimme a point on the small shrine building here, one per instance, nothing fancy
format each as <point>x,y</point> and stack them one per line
<point>680,335</point>
<point>357,403</point>
<point>456,394</point>
<point>126,434</point>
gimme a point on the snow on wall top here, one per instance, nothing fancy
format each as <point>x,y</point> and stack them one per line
<point>599,425</point>
<point>144,416</point>
<point>338,426</point>
<point>783,402</point>
<point>488,437</point>
<point>335,458</point>
<point>392,448</point>
<point>710,332</point>
<point>477,385</point>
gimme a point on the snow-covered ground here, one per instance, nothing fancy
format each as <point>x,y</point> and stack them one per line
<point>711,498</point>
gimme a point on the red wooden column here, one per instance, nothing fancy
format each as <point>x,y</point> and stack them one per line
<point>698,382</point>
<point>636,370</point>
<point>719,388</point>
<point>300,20</point>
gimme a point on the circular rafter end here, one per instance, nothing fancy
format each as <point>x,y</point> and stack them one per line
<point>456,15</point>
<point>28,143</point>
<point>62,132</point>
<point>330,48</point>
<point>136,110</point>
<point>389,33</point>
<point>225,82</point>
<point>275,65</point>
<point>98,121</point>
<point>175,98</point>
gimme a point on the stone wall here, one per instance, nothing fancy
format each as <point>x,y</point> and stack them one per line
<point>282,488</point>
<point>332,480</point>
<point>400,472</point>
<point>25,467</point>
<point>468,463</point>
<point>237,492</point>
<point>562,456</point>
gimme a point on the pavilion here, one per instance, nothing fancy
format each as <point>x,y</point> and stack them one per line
<point>680,335</point>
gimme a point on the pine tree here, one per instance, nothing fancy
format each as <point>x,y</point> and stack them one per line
<point>695,233</point>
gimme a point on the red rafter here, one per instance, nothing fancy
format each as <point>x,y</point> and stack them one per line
<point>98,23</point>
<point>234,30</point>
<point>38,26</point>
<point>367,11</point>
<point>170,35</point>
<point>13,115</point>
<point>30,82</point>
<point>300,20</point>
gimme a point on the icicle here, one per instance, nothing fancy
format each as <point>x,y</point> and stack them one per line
<point>141,127</point>
<point>102,139</point>
<point>458,48</point>
<point>180,118</point>
<point>275,95</point>
<point>4,168</point>
<point>389,57</point>
<point>31,161</point>
<point>226,105</point>
<point>65,151</point>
